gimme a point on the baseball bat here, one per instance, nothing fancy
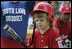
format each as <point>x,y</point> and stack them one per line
<point>33,33</point>
<point>14,35</point>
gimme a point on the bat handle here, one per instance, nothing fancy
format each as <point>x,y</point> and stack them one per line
<point>22,43</point>
<point>19,40</point>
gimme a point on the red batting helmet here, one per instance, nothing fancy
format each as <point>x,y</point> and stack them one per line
<point>45,7</point>
<point>66,9</point>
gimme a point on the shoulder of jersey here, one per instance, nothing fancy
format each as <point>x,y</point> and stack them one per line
<point>56,19</point>
<point>54,31</point>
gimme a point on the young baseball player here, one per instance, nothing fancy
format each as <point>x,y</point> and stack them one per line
<point>63,23</point>
<point>15,14</point>
<point>45,36</point>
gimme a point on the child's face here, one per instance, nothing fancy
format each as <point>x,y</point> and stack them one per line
<point>41,20</point>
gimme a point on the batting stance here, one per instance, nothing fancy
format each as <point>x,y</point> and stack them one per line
<point>63,24</point>
<point>15,14</point>
<point>45,36</point>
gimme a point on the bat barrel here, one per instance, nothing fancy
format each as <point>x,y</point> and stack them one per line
<point>14,35</point>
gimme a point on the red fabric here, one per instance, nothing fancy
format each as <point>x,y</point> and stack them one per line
<point>66,9</point>
<point>6,43</point>
<point>49,39</point>
<point>64,31</point>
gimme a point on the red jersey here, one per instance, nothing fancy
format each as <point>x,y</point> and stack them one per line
<point>65,31</point>
<point>6,43</point>
<point>50,39</point>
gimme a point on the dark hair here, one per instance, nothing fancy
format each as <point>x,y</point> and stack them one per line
<point>49,2</point>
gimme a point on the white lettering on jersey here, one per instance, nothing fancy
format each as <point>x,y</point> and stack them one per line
<point>59,38</point>
<point>20,10</point>
<point>60,44</point>
<point>13,18</point>
<point>64,36</point>
<point>14,11</point>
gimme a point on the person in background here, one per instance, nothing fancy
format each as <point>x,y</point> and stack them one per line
<point>63,24</point>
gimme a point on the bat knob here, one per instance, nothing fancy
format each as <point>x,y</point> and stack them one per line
<point>6,27</point>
